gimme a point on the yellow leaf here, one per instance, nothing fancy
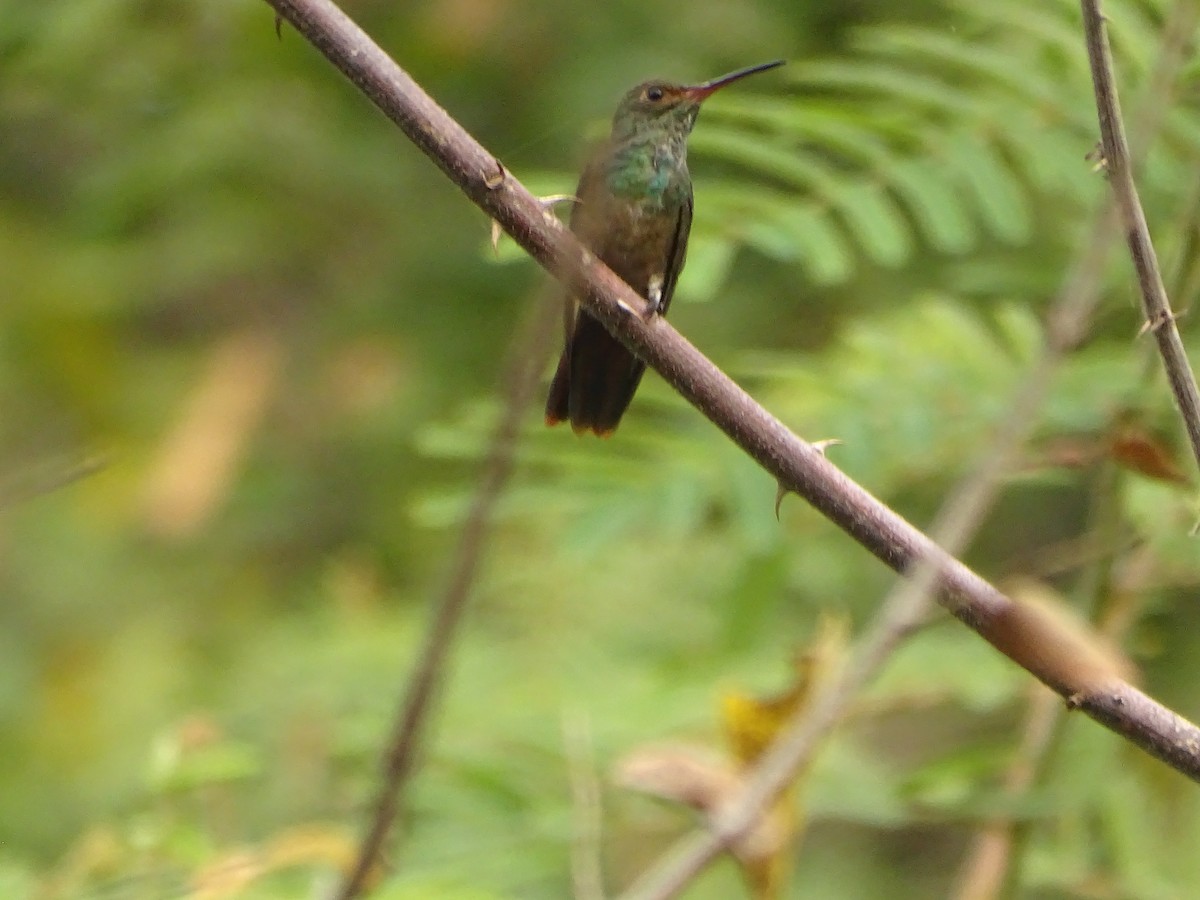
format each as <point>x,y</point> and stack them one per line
<point>696,778</point>
<point>751,724</point>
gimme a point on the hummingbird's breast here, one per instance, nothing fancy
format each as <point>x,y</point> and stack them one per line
<point>632,201</point>
<point>653,175</point>
<point>636,235</point>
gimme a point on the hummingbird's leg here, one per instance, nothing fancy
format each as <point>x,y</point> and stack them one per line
<point>654,295</point>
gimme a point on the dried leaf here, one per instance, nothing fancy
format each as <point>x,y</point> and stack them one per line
<point>1045,632</point>
<point>683,774</point>
<point>229,875</point>
<point>752,723</point>
<point>1140,451</point>
<point>697,779</point>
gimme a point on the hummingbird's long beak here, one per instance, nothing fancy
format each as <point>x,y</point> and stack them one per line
<point>699,92</point>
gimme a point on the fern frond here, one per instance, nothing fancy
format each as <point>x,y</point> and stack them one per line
<point>944,136</point>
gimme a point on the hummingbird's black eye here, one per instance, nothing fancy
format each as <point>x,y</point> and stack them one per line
<point>654,94</point>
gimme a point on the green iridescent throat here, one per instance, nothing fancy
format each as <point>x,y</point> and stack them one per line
<point>649,162</point>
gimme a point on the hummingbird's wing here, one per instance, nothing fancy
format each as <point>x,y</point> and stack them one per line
<point>677,255</point>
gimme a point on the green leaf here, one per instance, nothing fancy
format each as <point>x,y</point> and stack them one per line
<point>766,158</point>
<point>823,248</point>
<point>934,205</point>
<point>998,195</point>
<point>914,91</point>
<point>871,215</point>
<point>975,61</point>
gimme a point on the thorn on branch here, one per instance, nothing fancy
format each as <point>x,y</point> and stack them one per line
<point>781,491</point>
<point>1158,322</point>
<point>495,179</point>
<point>493,182</point>
<point>550,201</point>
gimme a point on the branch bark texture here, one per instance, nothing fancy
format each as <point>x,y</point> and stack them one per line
<point>794,463</point>
<point>1160,320</point>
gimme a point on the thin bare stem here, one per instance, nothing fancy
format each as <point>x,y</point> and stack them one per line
<point>586,873</point>
<point>988,863</point>
<point>47,477</point>
<point>1160,320</point>
<point>984,871</point>
<point>524,372</point>
<point>792,462</point>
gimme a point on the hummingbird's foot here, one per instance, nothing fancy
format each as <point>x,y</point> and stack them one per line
<point>654,293</point>
<point>653,299</point>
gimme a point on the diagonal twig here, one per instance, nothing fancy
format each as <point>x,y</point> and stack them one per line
<point>47,477</point>
<point>792,462</point>
<point>1160,320</point>
<point>524,373</point>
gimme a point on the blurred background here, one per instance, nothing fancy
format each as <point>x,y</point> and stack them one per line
<point>250,351</point>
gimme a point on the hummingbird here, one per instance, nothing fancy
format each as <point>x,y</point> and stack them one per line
<point>633,210</point>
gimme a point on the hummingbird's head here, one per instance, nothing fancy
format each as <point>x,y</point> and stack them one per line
<point>656,105</point>
<point>663,106</point>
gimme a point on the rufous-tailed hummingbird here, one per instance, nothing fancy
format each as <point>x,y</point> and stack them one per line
<point>633,210</point>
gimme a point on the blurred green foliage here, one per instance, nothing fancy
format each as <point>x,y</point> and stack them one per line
<point>228,283</point>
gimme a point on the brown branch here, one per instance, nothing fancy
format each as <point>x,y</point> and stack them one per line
<point>522,378</point>
<point>1160,320</point>
<point>792,462</point>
